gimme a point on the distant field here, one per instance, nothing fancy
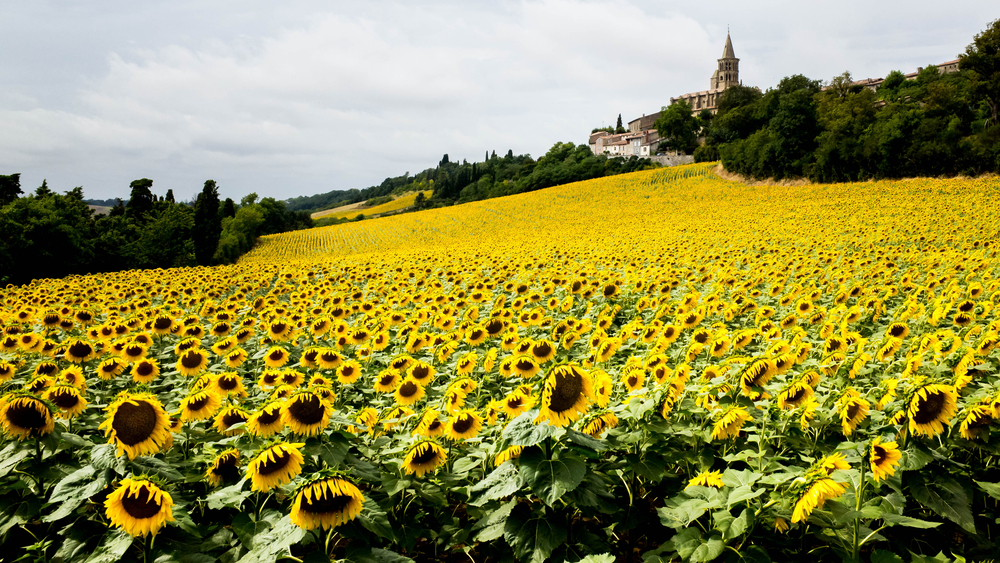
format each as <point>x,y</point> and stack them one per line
<point>353,210</point>
<point>100,209</point>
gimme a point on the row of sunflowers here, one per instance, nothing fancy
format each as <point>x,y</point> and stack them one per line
<point>661,366</point>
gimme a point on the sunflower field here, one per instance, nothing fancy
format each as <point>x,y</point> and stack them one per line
<point>658,366</point>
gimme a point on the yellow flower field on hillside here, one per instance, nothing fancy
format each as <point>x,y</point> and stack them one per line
<point>659,366</point>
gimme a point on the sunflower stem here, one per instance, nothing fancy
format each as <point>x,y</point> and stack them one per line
<point>326,545</point>
<point>38,465</point>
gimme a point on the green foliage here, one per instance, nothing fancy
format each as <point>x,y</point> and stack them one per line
<point>678,127</point>
<point>208,224</point>
<point>10,188</point>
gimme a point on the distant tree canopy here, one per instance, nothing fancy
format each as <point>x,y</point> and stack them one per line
<point>46,234</point>
<point>935,124</point>
<point>458,182</point>
<point>678,127</point>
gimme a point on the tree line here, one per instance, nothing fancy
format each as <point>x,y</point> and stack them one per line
<point>48,235</point>
<point>459,182</point>
<point>935,124</point>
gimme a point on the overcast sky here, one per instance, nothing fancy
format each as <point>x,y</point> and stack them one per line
<point>301,97</point>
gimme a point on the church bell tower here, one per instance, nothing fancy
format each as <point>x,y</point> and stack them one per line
<point>728,73</point>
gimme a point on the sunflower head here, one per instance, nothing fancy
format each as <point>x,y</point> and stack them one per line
<point>224,468</point>
<point>930,408</point>
<point>424,457</point>
<point>275,466</point>
<point>139,507</point>
<point>326,502</point>
<point>68,399</point>
<point>25,416</point>
<point>567,394</point>
<point>136,424</point>
<point>883,457</point>
<point>306,413</point>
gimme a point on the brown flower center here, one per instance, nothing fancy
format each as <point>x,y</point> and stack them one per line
<point>26,415</point>
<point>567,390</point>
<point>140,506</point>
<point>929,408</point>
<point>268,467</point>
<point>134,423</point>
<point>307,409</point>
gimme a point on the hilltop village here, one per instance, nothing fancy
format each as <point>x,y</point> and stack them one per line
<point>642,139</point>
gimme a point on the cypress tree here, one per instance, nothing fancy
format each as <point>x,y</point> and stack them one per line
<point>207,223</point>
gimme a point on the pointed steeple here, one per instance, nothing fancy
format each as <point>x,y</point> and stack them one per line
<point>728,53</point>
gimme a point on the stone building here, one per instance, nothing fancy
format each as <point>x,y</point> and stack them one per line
<point>728,74</point>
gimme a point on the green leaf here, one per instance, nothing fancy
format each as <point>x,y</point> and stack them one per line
<point>740,524</point>
<point>946,497</point>
<point>522,431</point>
<point>743,493</point>
<point>897,520</point>
<point>155,466</point>
<point>681,515</point>
<point>492,525</point>
<point>992,489</point>
<point>602,558</point>
<point>500,483</point>
<point>743,478</point>
<point>268,544</point>
<point>581,439</point>
<point>387,556</point>
<point>465,464</point>
<point>883,556</point>
<point>105,456</point>
<point>685,542</point>
<point>228,497</point>
<point>723,520</point>
<point>247,529</point>
<point>709,549</point>
<point>374,519</point>
<point>10,457</point>
<point>114,546</point>
<point>533,537</point>
<point>550,479</point>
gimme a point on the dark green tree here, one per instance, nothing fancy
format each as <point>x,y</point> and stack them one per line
<point>228,208</point>
<point>207,223</point>
<point>140,203</point>
<point>678,127</point>
<point>170,196</point>
<point>981,61</point>
<point>10,188</point>
<point>43,190</point>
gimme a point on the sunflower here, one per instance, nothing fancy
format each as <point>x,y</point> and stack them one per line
<point>110,367</point>
<point>883,458</point>
<point>200,405</point>
<point>525,366</point>
<point>306,413</point>
<point>567,394</point>
<point>517,403</point>
<point>25,416</point>
<point>729,424</point>
<point>46,368</point>
<point>794,395</point>
<point>161,325</point>
<point>464,425</point>
<point>145,370</point>
<point>227,385</point>
<point>977,421</point>
<point>327,502</point>
<point>756,375</point>
<point>269,378</point>
<point>707,479</point>
<point>409,392</point>
<point>367,419</point>
<point>136,424</point>
<point>279,330</point>
<point>603,386</point>
<point>633,377</point>
<point>7,371</point>
<point>276,357</point>
<point>192,361</point>
<point>853,410</point>
<point>266,421</point>
<point>349,372</point>
<point>430,424</point>
<point>139,507</point>
<point>67,398</point>
<point>133,352</point>
<point>930,408</point>
<point>229,417</point>
<point>72,375</point>
<point>224,468</point>
<point>236,357</point>
<point>510,453</point>
<point>815,496</point>
<point>275,466</point>
<point>387,380</point>
<point>598,424</point>
<point>421,372</point>
<point>543,351</point>
<point>424,457</point>
<point>289,376</point>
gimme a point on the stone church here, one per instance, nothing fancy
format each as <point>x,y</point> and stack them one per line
<point>728,74</point>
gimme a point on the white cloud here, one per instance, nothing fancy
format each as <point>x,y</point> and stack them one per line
<point>309,100</point>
